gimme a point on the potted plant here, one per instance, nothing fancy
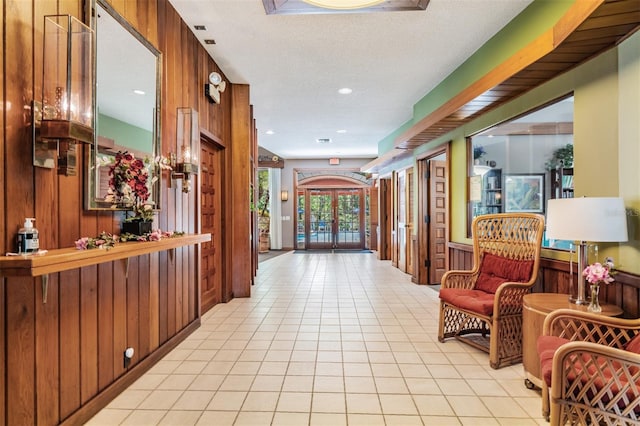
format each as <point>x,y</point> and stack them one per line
<point>478,153</point>
<point>561,157</point>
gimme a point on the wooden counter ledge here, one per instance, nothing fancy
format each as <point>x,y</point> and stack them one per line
<point>58,260</point>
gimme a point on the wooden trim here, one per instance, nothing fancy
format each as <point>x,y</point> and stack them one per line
<point>212,138</point>
<point>59,260</point>
<point>101,400</point>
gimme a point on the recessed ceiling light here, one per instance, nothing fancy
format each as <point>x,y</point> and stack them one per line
<point>344,4</point>
<point>341,131</point>
<point>269,132</point>
<point>138,92</point>
<point>200,27</point>
<point>345,91</point>
<point>323,140</point>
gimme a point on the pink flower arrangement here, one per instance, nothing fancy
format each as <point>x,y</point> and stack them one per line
<point>129,186</point>
<point>597,273</point>
<point>107,241</point>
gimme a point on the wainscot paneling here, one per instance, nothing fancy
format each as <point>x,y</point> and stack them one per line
<point>555,277</point>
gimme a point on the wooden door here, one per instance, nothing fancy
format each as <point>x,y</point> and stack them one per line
<point>211,201</point>
<point>409,240</point>
<point>438,220</point>
<point>384,219</point>
<point>373,218</point>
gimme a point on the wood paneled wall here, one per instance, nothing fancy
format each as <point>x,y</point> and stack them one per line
<point>63,360</point>
<point>555,277</point>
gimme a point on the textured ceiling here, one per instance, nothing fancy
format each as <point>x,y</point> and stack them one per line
<point>295,65</point>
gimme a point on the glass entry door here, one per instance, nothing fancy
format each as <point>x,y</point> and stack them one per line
<point>320,219</point>
<point>335,219</point>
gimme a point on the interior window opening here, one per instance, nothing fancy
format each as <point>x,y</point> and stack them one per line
<point>518,165</point>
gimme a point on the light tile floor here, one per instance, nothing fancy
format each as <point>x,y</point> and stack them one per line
<point>325,339</point>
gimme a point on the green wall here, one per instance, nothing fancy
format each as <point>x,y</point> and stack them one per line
<point>606,129</point>
<point>124,134</point>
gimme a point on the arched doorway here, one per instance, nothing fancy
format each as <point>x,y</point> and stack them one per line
<point>332,210</point>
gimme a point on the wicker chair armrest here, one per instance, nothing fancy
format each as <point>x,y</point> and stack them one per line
<point>590,327</point>
<point>508,299</point>
<point>459,279</point>
<point>584,370</point>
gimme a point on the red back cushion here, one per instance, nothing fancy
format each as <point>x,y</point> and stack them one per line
<point>495,270</point>
<point>633,345</point>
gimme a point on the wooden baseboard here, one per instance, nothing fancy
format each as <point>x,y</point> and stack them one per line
<point>93,406</point>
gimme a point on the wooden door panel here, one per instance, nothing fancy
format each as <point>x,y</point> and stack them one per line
<point>438,220</point>
<point>210,193</point>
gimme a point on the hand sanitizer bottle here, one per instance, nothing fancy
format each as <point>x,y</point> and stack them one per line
<point>28,237</point>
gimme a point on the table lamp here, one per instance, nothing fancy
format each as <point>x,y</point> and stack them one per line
<point>586,219</point>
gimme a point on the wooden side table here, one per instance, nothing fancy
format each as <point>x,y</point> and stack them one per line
<point>536,307</point>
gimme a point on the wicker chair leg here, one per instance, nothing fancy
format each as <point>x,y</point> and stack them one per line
<point>545,401</point>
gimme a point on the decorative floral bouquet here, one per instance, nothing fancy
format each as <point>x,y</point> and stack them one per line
<point>103,241</point>
<point>106,240</point>
<point>129,185</point>
<point>597,273</point>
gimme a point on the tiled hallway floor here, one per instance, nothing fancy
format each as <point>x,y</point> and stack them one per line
<point>326,339</point>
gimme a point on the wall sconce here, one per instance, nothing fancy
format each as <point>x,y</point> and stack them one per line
<point>185,163</point>
<point>284,195</point>
<point>214,88</point>
<point>65,115</point>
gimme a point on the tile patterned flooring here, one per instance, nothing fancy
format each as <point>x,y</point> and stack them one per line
<point>325,339</point>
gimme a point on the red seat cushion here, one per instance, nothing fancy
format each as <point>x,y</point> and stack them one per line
<point>547,346</point>
<point>495,270</point>
<point>619,389</point>
<point>633,345</point>
<point>477,301</point>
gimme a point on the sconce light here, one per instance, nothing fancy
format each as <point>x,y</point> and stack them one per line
<point>65,115</point>
<point>284,195</point>
<point>214,88</point>
<point>185,163</point>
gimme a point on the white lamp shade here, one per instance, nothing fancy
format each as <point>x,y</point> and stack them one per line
<point>595,219</point>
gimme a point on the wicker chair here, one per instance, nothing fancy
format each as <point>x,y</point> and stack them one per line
<point>483,306</point>
<point>591,369</point>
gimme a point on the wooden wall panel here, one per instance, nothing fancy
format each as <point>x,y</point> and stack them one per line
<point>144,321</point>
<point>105,325</point>
<point>88,333</point>
<point>69,356</point>
<point>63,356</point>
<point>238,198</point>
<point>133,310</point>
<point>47,344</point>
<point>3,247</point>
<point>20,374</point>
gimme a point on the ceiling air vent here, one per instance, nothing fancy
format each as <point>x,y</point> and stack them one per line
<point>200,27</point>
<point>323,140</point>
<point>209,41</point>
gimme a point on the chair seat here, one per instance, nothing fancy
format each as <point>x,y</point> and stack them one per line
<point>477,301</point>
<point>594,373</point>
<point>547,346</point>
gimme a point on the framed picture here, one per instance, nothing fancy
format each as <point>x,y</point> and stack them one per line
<point>524,193</point>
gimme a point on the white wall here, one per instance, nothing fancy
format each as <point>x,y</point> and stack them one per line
<point>287,180</point>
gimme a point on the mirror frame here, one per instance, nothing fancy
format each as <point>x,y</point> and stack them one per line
<point>91,153</point>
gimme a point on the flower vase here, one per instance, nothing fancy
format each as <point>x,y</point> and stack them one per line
<point>594,303</point>
<point>137,227</point>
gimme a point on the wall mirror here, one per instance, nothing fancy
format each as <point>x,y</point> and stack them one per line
<point>127,107</point>
<point>518,165</point>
